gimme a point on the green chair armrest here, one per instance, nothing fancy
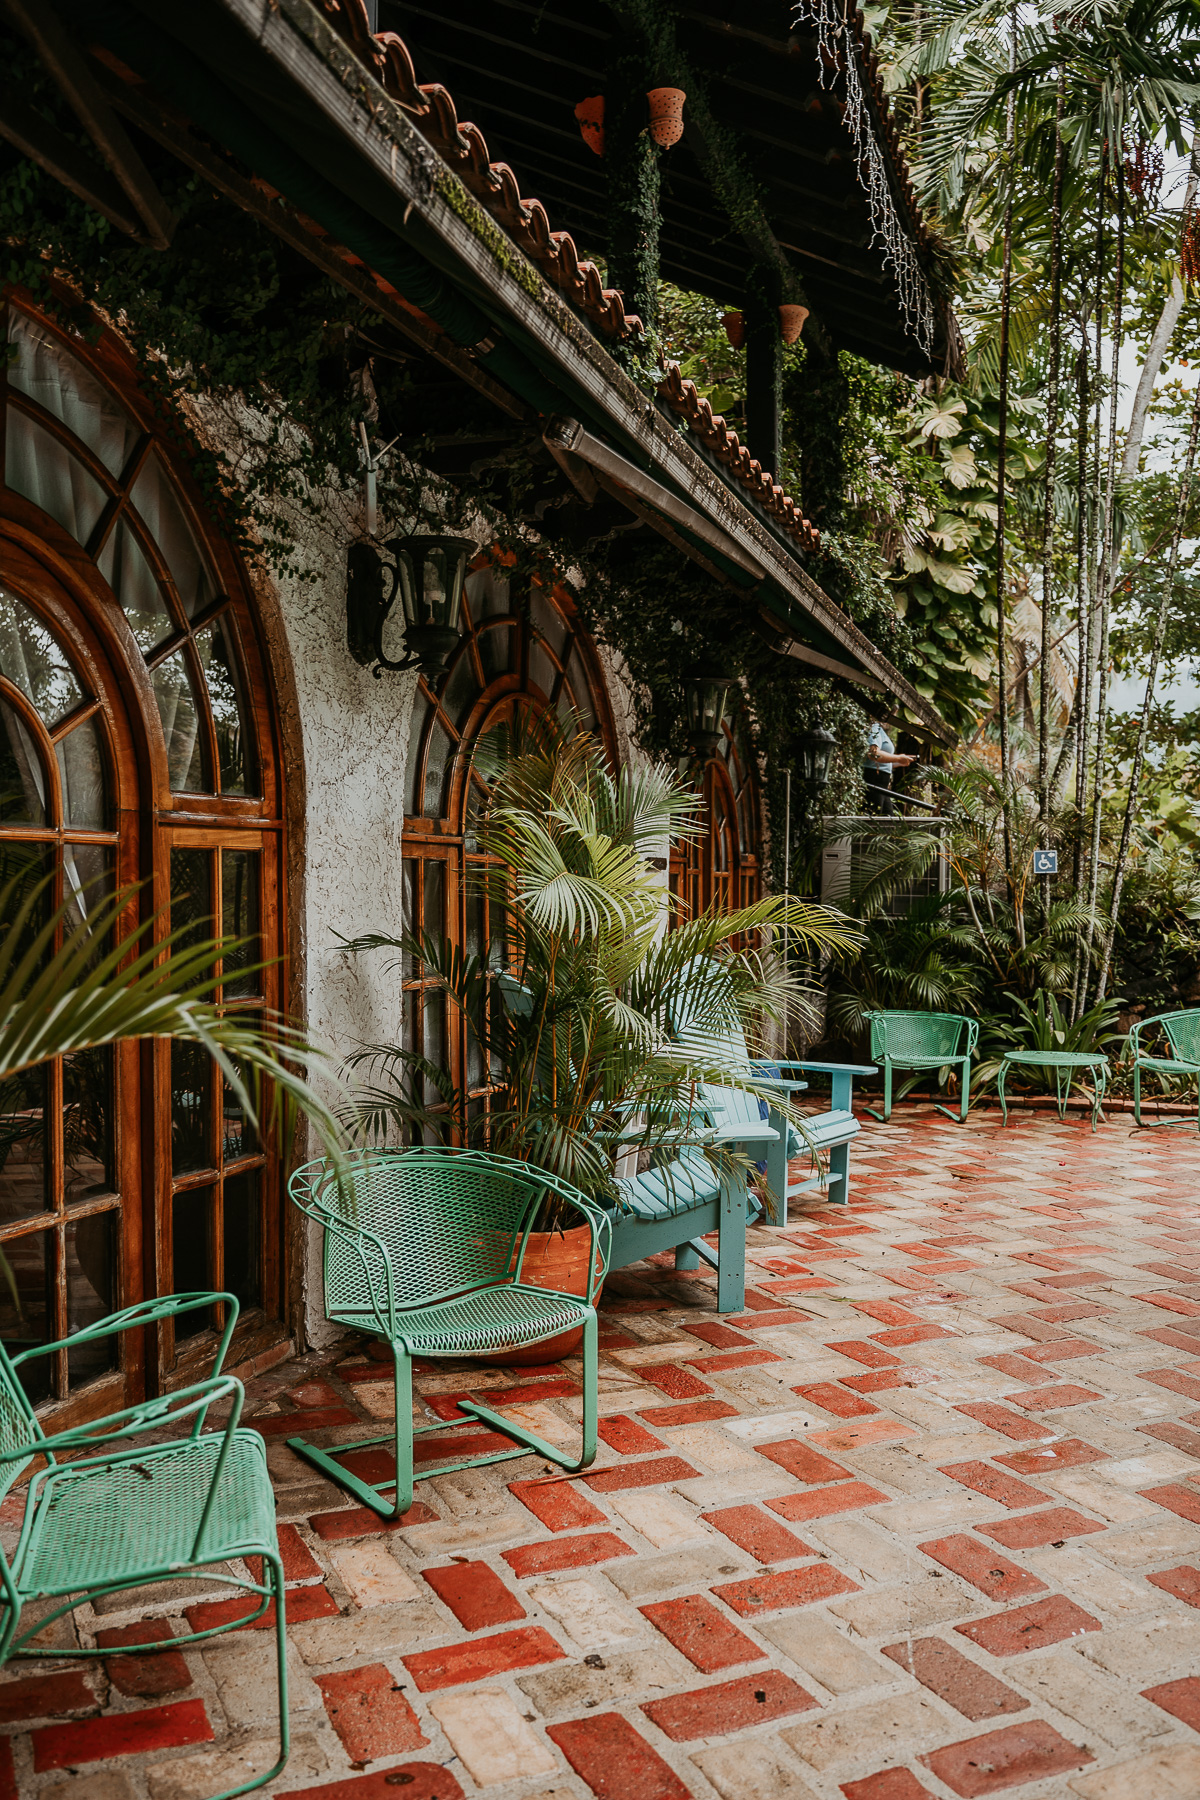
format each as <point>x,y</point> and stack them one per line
<point>147,1415</point>
<point>146,1312</point>
<point>828,1068</point>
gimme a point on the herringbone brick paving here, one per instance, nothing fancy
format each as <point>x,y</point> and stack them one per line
<point>923,1521</point>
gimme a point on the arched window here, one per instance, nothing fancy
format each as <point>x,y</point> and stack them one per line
<point>721,867</point>
<point>137,745</point>
<point>522,646</point>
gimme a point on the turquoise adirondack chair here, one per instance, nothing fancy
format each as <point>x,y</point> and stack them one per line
<point>424,1248</point>
<point>922,1040</point>
<point>1182,1032</point>
<point>112,1507</point>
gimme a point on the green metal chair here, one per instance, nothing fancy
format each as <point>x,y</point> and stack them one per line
<point>127,1510</point>
<point>1182,1032</point>
<point>424,1247</point>
<point>921,1040</point>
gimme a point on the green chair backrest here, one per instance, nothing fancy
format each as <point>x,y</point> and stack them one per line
<point>721,1048</point>
<point>901,1034</point>
<point>450,1221</point>
<point>1183,1030</point>
<point>19,1428</point>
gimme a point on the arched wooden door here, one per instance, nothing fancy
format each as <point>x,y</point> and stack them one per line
<point>721,867</point>
<point>137,745</point>
<point>521,647</point>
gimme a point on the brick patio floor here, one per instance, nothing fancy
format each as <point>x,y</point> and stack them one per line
<point>925,1520</point>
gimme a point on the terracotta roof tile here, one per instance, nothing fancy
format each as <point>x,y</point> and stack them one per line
<point>724,444</point>
<point>494,185</point>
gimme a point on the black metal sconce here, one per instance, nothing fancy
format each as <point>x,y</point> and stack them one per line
<point>706,697</point>
<point>428,574</point>
<point>816,747</point>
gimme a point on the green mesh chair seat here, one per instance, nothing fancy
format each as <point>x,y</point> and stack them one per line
<point>1182,1032</point>
<point>129,1507</point>
<point>144,1513</point>
<point>922,1040</point>
<point>425,1248</point>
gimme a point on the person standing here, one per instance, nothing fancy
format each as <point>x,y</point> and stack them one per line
<point>877,770</point>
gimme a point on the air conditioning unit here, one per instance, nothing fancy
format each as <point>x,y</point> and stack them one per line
<point>846,860</point>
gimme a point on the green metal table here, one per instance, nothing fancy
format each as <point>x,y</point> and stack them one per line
<point>1064,1063</point>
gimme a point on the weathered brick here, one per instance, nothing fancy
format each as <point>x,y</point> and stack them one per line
<point>998,1418</point>
<point>63,1695</point>
<point>818,1503</point>
<point>654,1473</point>
<point>144,1677</point>
<point>492,1737</point>
<point>805,1464</point>
<point>1030,1751</point>
<point>565,1553</point>
<point>792,1587</point>
<point>833,1397</point>
<point>627,1437</point>
<point>367,1709</point>
<point>822,1651</point>
<point>495,1655</point>
<point>711,1331</point>
<point>994,1484</point>
<point>1067,1453</point>
<point>121,1734</point>
<point>1025,1628</point>
<point>300,1604</point>
<point>961,1683</point>
<point>1177,1499</point>
<point>425,1781</point>
<point>920,1333</point>
<point>751,1769</point>
<point>475,1595</point>
<point>362,1521</point>
<point>753,1530</point>
<point>985,1569</point>
<point>1183,1582</point>
<point>1032,1529</point>
<point>861,1350</point>
<point>888,1784</point>
<point>1180,1698</point>
<point>881,1729</point>
<point>615,1761</point>
<point>689,1413</point>
<point>729,1706</point>
<point>704,1635</point>
<point>558,1504</point>
<point>680,1384</point>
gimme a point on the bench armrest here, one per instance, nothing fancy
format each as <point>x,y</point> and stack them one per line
<point>828,1068</point>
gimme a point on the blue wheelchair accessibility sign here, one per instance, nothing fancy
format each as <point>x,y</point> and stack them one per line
<point>1045,862</point>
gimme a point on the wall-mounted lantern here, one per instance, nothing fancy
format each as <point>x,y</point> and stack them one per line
<point>816,747</point>
<point>428,573</point>
<point>705,697</point>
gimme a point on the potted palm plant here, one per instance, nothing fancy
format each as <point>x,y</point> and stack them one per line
<point>578,1012</point>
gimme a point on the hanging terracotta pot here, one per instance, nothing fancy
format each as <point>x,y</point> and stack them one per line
<point>666,115</point>
<point>791,322</point>
<point>590,114</point>
<point>735,329</point>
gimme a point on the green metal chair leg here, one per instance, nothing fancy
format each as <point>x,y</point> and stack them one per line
<point>1000,1078</point>
<point>530,1439</point>
<point>285,1735</point>
<point>886,1114</point>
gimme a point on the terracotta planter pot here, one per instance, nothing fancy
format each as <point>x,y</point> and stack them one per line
<point>666,115</point>
<point>590,114</point>
<point>735,329</point>
<point>553,1259</point>
<point>791,322</point>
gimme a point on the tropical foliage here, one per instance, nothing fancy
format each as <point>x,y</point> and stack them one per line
<point>579,1021</point>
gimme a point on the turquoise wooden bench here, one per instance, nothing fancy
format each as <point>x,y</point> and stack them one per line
<point>677,1206</point>
<point>1182,1032</point>
<point>922,1040</point>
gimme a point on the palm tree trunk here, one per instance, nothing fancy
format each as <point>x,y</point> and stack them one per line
<point>1045,686</point>
<point>1104,584</point>
<point>1002,462</point>
<point>1139,749</point>
<point>1160,337</point>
